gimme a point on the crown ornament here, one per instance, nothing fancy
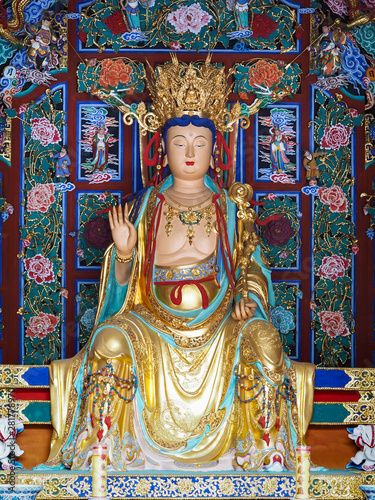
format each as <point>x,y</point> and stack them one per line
<point>198,88</point>
<point>177,88</point>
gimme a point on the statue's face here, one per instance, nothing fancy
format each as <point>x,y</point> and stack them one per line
<point>188,151</point>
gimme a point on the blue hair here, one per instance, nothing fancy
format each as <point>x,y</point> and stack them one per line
<point>185,120</point>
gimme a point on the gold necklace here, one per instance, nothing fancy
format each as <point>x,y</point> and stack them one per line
<point>189,217</point>
<point>186,206</point>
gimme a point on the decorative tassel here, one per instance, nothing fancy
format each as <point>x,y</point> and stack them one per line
<point>221,142</point>
<point>151,162</point>
<point>107,421</point>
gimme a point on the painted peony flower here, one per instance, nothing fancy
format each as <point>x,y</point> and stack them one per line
<point>116,23</point>
<point>335,136</point>
<point>333,323</point>
<point>40,197</point>
<point>263,25</point>
<point>189,18</point>
<point>113,72</point>
<point>88,318</point>
<point>265,74</point>
<point>282,319</point>
<point>39,269</point>
<point>278,232</point>
<point>97,233</point>
<point>334,197</point>
<point>44,131</point>
<point>333,267</point>
<point>40,326</point>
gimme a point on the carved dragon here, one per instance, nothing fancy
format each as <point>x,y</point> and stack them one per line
<point>16,23</point>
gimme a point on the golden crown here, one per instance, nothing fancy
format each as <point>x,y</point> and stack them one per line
<point>177,88</point>
<point>198,88</point>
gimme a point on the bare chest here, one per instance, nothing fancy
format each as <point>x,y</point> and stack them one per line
<point>185,237</point>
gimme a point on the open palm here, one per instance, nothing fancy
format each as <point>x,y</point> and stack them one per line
<point>124,234</point>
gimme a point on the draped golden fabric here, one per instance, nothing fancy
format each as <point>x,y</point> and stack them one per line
<point>219,393</point>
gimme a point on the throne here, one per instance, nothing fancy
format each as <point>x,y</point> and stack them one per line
<point>343,397</point>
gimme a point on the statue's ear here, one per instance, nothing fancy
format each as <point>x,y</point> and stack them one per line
<point>165,157</point>
<point>212,161</point>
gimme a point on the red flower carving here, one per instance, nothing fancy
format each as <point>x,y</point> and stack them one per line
<point>333,323</point>
<point>278,232</point>
<point>40,197</point>
<point>39,269</point>
<point>114,71</point>
<point>335,197</point>
<point>40,326</point>
<point>44,131</point>
<point>263,26</point>
<point>115,22</point>
<point>333,267</point>
<point>97,233</point>
<point>335,136</point>
<point>264,73</point>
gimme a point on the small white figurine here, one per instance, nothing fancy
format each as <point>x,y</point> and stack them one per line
<point>364,437</point>
<point>9,428</point>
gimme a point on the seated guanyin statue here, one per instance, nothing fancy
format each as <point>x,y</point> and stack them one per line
<point>184,368</point>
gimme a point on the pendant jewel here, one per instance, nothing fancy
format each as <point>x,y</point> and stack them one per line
<point>190,218</point>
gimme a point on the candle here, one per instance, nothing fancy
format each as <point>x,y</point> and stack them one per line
<point>303,472</point>
<point>99,472</point>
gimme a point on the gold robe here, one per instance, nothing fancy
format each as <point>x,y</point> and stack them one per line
<point>212,392</point>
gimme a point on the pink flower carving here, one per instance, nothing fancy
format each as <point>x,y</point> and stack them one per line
<point>40,197</point>
<point>335,136</point>
<point>271,196</point>
<point>44,131</point>
<point>355,249</point>
<point>333,323</point>
<point>335,197</point>
<point>333,267</point>
<point>176,46</point>
<point>26,242</point>
<point>369,3</point>
<point>102,196</point>
<point>22,109</point>
<point>189,18</point>
<point>64,293</point>
<point>40,326</point>
<point>39,269</point>
<point>339,7</point>
<point>353,112</point>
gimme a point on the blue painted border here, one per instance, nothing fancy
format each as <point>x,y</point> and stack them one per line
<point>353,145</point>
<point>297,107</point>
<point>79,121</point>
<point>297,195</point>
<point>1,234</point>
<point>296,283</point>
<point>79,195</point>
<point>64,87</point>
<point>77,284</point>
<point>241,156</point>
<point>128,50</point>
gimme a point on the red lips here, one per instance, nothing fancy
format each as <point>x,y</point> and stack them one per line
<point>190,163</point>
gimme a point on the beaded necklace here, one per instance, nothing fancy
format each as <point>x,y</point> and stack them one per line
<point>189,217</point>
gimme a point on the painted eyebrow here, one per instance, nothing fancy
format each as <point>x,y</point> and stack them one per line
<point>184,137</point>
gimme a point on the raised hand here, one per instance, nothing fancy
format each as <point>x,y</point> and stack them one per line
<point>124,234</point>
<point>243,311</point>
